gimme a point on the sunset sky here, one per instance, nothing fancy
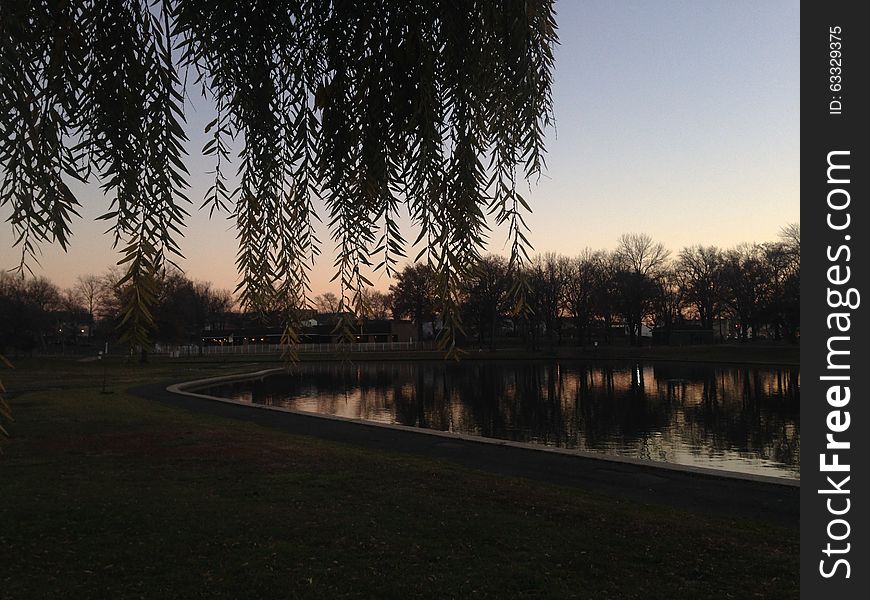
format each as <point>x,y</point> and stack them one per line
<point>679,119</point>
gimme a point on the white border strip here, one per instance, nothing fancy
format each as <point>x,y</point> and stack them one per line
<point>181,388</point>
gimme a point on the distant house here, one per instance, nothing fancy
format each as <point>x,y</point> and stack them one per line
<point>387,331</point>
<point>404,330</point>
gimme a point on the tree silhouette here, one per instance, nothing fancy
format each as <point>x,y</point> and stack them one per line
<point>747,280</point>
<point>378,305</point>
<point>366,105</point>
<point>486,292</point>
<point>415,295</point>
<point>639,261</point>
<point>327,303</point>
<point>702,274</point>
<point>581,281</point>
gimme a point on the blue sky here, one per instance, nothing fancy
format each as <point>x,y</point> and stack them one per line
<point>675,118</point>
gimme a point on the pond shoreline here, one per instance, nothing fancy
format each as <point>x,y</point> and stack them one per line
<point>693,415</point>
<point>198,389</point>
<point>765,499</point>
<point>726,354</point>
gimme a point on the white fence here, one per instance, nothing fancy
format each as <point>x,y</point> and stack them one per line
<point>226,350</point>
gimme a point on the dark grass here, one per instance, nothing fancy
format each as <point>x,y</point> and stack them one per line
<point>116,496</point>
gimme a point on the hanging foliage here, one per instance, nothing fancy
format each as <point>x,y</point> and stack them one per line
<point>370,106</point>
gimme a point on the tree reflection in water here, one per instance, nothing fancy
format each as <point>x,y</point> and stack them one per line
<point>740,418</point>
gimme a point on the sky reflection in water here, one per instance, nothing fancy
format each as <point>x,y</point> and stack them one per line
<point>736,418</point>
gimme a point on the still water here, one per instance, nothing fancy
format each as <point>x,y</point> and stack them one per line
<point>730,417</point>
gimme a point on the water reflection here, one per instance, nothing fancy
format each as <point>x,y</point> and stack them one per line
<point>739,418</point>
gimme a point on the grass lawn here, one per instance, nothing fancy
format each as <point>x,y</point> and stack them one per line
<point>115,496</point>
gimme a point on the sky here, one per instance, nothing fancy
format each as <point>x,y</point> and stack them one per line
<point>679,119</point>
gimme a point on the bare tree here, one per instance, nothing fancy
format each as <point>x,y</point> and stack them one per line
<point>109,308</point>
<point>415,295</point>
<point>791,236</point>
<point>700,271</point>
<point>582,275</point>
<point>783,300</point>
<point>487,292</point>
<point>378,305</point>
<point>327,303</point>
<point>639,261</point>
<point>90,289</point>
<point>747,281</point>
<point>640,254</point>
<point>605,295</point>
<point>668,300</point>
<point>546,279</point>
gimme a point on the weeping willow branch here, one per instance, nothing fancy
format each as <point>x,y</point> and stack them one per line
<point>363,106</point>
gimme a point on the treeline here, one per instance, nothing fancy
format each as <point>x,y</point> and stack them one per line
<point>746,291</point>
<point>37,315</point>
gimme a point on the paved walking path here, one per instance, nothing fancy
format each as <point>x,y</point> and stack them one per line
<point>760,500</point>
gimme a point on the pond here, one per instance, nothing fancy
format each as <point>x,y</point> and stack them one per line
<point>741,418</point>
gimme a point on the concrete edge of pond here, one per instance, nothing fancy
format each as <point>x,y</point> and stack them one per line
<point>184,388</point>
